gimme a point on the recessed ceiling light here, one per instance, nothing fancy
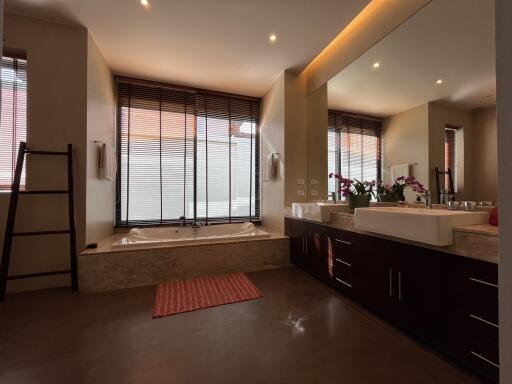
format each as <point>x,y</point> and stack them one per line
<point>272,38</point>
<point>376,65</point>
<point>439,81</point>
<point>144,3</point>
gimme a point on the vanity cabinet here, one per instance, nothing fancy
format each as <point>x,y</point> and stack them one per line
<point>297,231</point>
<point>448,301</point>
<point>405,284</point>
<point>347,257</point>
<point>472,314</point>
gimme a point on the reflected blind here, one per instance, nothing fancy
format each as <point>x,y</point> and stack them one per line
<point>13,118</point>
<point>354,147</point>
<point>186,154</point>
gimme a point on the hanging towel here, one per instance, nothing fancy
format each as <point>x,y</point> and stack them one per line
<point>108,163</point>
<point>272,163</point>
<point>399,170</point>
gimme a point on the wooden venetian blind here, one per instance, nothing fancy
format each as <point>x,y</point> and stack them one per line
<point>186,153</point>
<point>354,147</point>
<point>13,121</point>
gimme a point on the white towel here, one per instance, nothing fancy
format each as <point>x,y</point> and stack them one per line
<point>399,170</point>
<point>108,163</point>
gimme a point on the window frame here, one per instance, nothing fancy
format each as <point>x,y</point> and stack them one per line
<point>16,54</point>
<point>337,131</point>
<point>256,177</point>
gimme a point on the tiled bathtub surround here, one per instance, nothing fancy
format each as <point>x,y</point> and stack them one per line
<point>107,268</point>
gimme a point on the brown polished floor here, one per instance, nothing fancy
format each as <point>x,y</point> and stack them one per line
<point>302,331</point>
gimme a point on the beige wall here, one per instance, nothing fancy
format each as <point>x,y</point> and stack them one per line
<point>405,141</point>
<point>57,78</point>
<point>485,156</point>
<point>317,144</point>
<point>296,138</point>
<point>100,127</point>
<point>70,100</point>
<point>273,141</point>
<point>439,117</point>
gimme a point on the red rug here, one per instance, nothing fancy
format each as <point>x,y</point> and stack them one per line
<point>190,295</point>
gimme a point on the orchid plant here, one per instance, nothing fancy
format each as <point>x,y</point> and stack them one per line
<point>349,187</point>
<point>398,187</point>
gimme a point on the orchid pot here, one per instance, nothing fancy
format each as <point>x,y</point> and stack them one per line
<point>358,201</point>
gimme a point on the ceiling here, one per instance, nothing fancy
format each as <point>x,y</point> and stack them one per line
<point>221,45</point>
<point>449,40</point>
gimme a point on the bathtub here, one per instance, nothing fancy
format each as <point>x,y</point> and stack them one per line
<point>162,236</point>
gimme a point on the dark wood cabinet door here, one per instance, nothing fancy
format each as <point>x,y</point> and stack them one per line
<point>472,328</point>
<point>319,258</point>
<point>381,283</point>
<point>421,286</point>
<point>297,231</point>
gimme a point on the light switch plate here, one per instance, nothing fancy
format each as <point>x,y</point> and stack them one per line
<point>314,181</point>
<point>300,193</point>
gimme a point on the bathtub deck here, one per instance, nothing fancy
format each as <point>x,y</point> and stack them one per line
<point>106,268</point>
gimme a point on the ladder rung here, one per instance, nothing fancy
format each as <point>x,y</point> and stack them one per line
<point>47,192</point>
<point>30,275</point>
<point>54,153</point>
<point>41,233</point>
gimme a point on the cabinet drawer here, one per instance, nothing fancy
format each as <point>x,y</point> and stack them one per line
<point>473,287</point>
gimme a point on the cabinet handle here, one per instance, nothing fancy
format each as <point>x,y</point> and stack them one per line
<point>343,242</point>
<point>390,282</point>
<point>399,286</point>
<point>344,282</point>
<point>483,282</point>
<point>343,262</point>
<point>483,320</point>
<point>484,359</point>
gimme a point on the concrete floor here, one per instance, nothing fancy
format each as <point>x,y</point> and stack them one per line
<point>302,331</point>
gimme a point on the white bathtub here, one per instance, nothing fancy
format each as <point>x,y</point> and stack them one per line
<point>160,236</point>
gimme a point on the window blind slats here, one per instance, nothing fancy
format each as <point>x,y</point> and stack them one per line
<point>13,124</point>
<point>354,145</point>
<point>186,153</point>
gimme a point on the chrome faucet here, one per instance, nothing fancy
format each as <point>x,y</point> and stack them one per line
<point>427,196</point>
<point>196,224</point>
<point>183,221</point>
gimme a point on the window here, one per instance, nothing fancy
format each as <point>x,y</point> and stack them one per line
<point>186,153</point>
<point>450,159</point>
<point>13,121</point>
<point>354,147</point>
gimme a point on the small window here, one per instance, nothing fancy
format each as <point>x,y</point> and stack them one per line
<point>13,124</point>
<point>450,159</point>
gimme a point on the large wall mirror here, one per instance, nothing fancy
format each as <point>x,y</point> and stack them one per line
<point>422,100</point>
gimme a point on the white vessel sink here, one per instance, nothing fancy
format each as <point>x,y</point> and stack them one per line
<point>316,211</point>
<point>430,226</point>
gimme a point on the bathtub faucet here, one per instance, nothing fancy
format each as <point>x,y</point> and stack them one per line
<point>196,224</point>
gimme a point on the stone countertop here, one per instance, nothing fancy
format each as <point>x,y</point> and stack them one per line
<point>481,229</point>
<point>474,241</point>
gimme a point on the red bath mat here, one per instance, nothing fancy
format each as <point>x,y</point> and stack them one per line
<point>190,295</point>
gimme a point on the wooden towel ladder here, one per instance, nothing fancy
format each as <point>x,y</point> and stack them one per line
<point>11,216</point>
